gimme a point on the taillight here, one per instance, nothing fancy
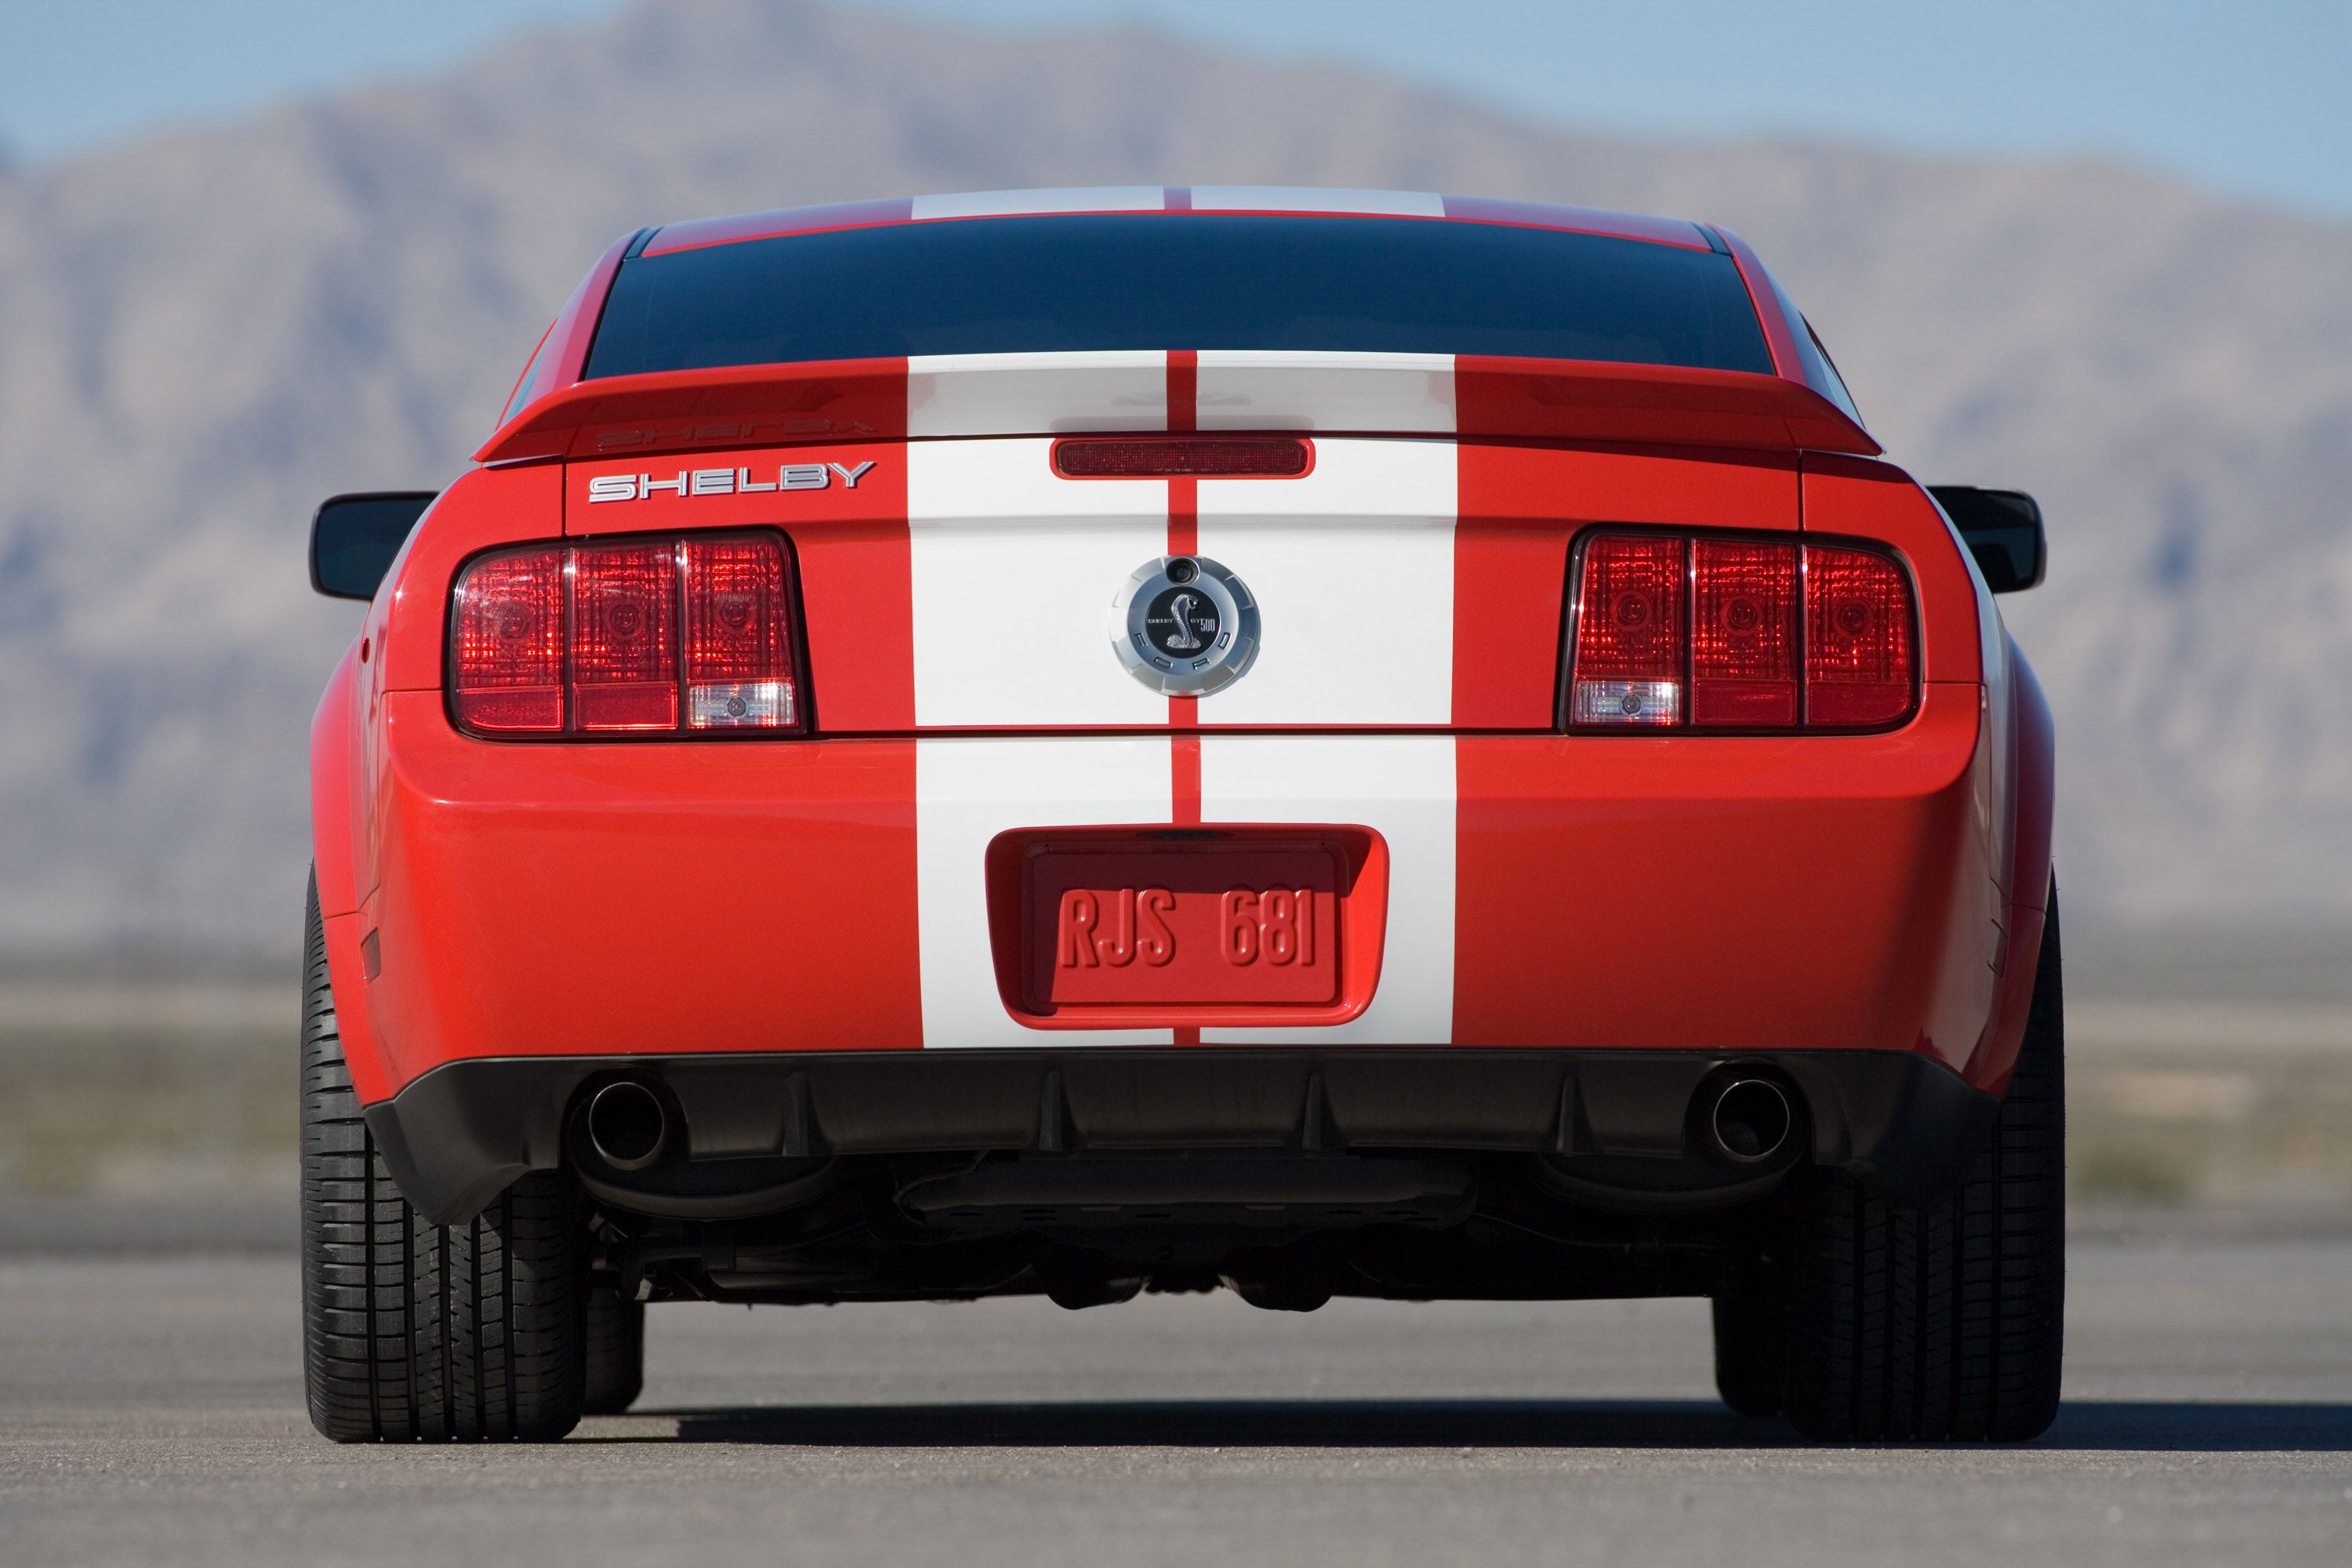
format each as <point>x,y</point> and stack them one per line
<point>1628,632</point>
<point>646,637</point>
<point>623,637</point>
<point>1859,661</point>
<point>738,663</point>
<point>1781,634</point>
<point>1744,634</point>
<point>507,642</point>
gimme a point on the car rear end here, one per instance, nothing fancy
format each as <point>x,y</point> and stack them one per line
<point>1296,808</point>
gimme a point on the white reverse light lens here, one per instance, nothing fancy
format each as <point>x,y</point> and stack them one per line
<point>754,704</point>
<point>1628,701</point>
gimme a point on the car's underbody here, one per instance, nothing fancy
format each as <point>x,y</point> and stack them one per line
<point>1088,1176</point>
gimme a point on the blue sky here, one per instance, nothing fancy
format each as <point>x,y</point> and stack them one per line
<point>2250,96</point>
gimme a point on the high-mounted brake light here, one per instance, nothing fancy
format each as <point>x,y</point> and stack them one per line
<point>1204,456</point>
<point>1781,634</point>
<point>643,636</point>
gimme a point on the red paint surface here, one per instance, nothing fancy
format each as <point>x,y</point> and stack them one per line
<point>689,410</point>
<point>1579,400</point>
<point>374,1075</point>
<point>614,899</point>
<point>2026,887</point>
<point>1703,893</point>
<point>1184,792</point>
<point>1183,389</point>
<point>337,792</point>
<point>1184,539</point>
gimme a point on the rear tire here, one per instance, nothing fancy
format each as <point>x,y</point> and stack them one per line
<point>616,1352</point>
<point>1945,1324</point>
<point>416,1331</point>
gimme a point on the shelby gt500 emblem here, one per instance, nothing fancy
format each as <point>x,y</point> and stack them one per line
<point>1184,626</point>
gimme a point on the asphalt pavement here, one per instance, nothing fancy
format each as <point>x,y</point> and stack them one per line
<point>151,1411</point>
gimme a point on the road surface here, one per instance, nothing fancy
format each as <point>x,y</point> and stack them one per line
<point>150,1412</point>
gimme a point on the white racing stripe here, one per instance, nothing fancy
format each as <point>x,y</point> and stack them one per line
<point>1285,389</point>
<point>1310,199</point>
<point>1013,573</point>
<point>1068,199</point>
<point>1400,787</point>
<point>1352,567</point>
<point>1023,394</point>
<point>966,791</point>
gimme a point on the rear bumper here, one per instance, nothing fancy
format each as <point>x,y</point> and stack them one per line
<point>456,1137</point>
<point>601,903</point>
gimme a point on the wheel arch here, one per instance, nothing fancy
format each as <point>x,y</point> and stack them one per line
<point>338,868</point>
<point>334,805</point>
<point>2028,887</point>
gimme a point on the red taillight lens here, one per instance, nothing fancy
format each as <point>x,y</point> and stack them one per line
<point>1744,634</point>
<point>738,666</point>
<point>656,637</point>
<point>1628,632</point>
<point>1781,634</point>
<point>623,637</point>
<point>1859,659</point>
<point>507,643</point>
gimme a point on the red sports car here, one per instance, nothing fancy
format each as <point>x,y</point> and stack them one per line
<point>1079,742</point>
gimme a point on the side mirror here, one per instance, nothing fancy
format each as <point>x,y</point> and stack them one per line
<point>2003,530</point>
<point>353,538</point>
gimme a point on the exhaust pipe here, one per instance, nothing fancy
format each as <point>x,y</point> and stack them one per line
<point>1750,1120</point>
<point>629,1125</point>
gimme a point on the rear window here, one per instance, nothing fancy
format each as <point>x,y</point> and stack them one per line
<point>1160,281</point>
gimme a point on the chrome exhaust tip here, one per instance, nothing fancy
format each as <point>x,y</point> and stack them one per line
<point>629,1125</point>
<point>1750,1120</point>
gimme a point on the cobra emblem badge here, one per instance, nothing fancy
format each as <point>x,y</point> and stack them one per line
<point>1184,626</point>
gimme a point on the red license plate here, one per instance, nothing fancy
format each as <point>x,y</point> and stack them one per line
<point>1210,924</point>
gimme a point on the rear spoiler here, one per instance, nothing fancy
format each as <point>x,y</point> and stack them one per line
<point>1042,394</point>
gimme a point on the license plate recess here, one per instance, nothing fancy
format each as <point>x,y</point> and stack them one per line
<point>1125,927</point>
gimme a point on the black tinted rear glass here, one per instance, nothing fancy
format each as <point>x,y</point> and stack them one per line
<point>1200,282</point>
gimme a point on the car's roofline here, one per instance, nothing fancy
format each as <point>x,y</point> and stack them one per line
<point>1264,200</point>
<point>562,360</point>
